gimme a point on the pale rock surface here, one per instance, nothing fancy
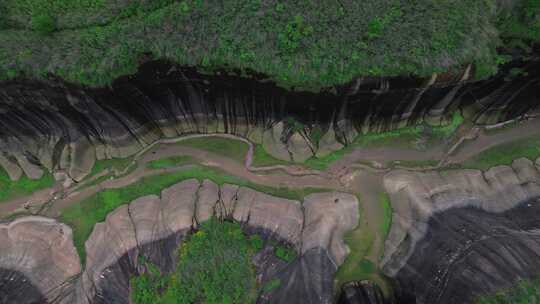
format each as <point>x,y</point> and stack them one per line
<point>327,217</point>
<point>328,144</point>
<point>82,159</point>
<point>12,169</point>
<point>283,217</point>
<point>227,201</point>
<point>178,203</point>
<point>31,170</point>
<point>273,144</point>
<point>207,198</point>
<point>299,148</point>
<point>42,250</point>
<point>153,226</point>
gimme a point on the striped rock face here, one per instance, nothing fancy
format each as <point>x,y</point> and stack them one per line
<point>460,234</point>
<point>38,253</point>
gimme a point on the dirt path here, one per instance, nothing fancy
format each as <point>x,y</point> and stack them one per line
<point>279,179</point>
<point>345,174</point>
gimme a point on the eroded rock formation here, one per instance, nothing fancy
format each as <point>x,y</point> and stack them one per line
<point>56,126</point>
<point>37,260</point>
<point>154,227</point>
<point>459,234</point>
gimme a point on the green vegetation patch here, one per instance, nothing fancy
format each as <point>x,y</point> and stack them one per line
<point>322,163</point>
<point>113,164</point>
<point>305,44</point>
<point>170,162</point>
<point>504,154</point>
<point>24,186</point>
<point>446,130</point>
<point>403,138</point>
<point>83,215</point>
<point>387,210</point>
<point>360,241</point>
<point>285,253</point>
<point>526,292</point>
<point>261,158</point>
<point>230,148</point>
<point>214,266</point>
<point>400,138</point>
<point>271,285</point>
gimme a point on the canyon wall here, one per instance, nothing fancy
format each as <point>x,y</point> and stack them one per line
<point>61,127</point>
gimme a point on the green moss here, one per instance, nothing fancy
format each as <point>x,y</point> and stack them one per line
<point>271,285</point>
<point>322,163</point>
<point>285,253</point>
<point>170,162</point>
<point>83,215</point>
<point>403,137</point>
<point>214,266</point>
<point>261,158</point>
<point>113,164</point>
<point>446,130</point>
<point>387,212</point>
<point>24,186</point>
<point>399,138</point>
<point>525,292</point>
<point>230,148</point>
<point>504,154</point>
<point>360,241</point>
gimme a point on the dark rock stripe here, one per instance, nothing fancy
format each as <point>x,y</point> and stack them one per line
<point>15,288</point>
<point>468,252</point>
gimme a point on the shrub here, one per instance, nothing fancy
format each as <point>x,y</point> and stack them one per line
<point>286,254</point>
<point>43,23</point>
<point>214,266</point>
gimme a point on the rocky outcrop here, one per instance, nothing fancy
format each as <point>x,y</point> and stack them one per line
<point>50,126</point>
<point>327,217</point>
<point>328,144</point>
<point>37,260</point>
<point>458,234</point>
<point>154,226</point>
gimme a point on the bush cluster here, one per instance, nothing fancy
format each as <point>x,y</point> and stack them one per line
<point>304,44</point>
<point>214,267</point>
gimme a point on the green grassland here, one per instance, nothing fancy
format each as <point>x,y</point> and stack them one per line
<point>386,224</point>
<point>24,186</point>
<point>357,266</point>
<point>261,158</point>
<point>214,266</point>
<point>504,154</point>
<point>170,162</point>
<point>114,164</point>
<point>304,44</point>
